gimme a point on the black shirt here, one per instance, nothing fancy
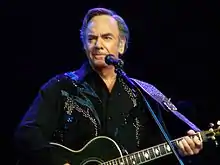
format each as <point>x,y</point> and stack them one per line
<point>114,103</point>
<point>127,123</point>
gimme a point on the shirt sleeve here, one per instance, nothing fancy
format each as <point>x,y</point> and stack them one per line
<point>36,128</point>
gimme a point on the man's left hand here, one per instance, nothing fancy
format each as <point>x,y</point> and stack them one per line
<point>190,145</point>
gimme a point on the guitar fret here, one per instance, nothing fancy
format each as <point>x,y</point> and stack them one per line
<point>113,162</point>
<point>138,157</point>
<point>132,159</point>
<point>167,148</point>
<point>162,149</point>
<point>151,152</point>
<point>127,160</point>
<point>156,151</point>
<point>121,161</point>
<point>142,158</point>
<point>176,141</point>
<point>146,155</point>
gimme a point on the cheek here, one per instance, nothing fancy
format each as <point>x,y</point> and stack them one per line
<point>88,48</point>
<point>112,48</point>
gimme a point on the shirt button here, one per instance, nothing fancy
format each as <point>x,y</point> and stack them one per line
<point>109,118</point>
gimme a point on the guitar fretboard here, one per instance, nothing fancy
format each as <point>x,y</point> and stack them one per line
<point>145,155</point>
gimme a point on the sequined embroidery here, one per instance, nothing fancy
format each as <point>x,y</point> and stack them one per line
<point>137,126</point>
<point>70,105</point>
<point>133,97</point>
<point>130,92</point>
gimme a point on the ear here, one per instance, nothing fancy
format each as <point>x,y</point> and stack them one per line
<point>84,47</point>
<point>121,47</point>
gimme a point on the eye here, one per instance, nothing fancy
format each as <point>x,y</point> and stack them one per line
<point>107,38</point>
<point>91,38</point>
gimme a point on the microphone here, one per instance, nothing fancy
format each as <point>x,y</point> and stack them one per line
<point>111,60</point>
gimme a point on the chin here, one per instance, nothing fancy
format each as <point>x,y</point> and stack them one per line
<point>99,64</point>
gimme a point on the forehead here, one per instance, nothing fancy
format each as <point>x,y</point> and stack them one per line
<point>103,24</point>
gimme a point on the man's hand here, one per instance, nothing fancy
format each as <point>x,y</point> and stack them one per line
<point>190,145</point>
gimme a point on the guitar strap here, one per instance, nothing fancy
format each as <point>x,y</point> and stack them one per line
<point>164,102</point>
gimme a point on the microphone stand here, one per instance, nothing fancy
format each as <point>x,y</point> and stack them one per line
<point>122,74</point>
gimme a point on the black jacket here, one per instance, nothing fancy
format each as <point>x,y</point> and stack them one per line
<point>65,111</point>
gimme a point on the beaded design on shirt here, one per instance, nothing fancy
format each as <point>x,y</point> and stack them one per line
<point>137,126</point>
<point>133,98</point>
<point>130,92</point>
<point>70,105</point>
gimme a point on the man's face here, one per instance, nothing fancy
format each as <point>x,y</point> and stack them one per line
<point>102,38</point>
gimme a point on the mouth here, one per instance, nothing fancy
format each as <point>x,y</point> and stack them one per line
<point>98,54</point>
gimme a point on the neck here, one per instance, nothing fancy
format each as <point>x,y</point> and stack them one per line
<point>108,75</point>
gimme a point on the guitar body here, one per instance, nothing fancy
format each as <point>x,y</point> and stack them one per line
<point>98,150</point>
<point>103,150</point>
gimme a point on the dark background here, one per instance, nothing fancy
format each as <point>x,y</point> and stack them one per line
<point>174,46</point>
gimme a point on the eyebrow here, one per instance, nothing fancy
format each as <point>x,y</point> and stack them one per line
<point>105,34</point>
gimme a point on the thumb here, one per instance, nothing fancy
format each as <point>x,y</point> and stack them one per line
<point>191,132</point>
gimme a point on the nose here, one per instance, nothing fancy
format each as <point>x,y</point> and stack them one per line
<point>98,43</point>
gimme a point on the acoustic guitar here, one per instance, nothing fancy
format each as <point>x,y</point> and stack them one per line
<point>103,150</point>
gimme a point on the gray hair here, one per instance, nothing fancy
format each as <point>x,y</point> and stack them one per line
<point>123,28</point>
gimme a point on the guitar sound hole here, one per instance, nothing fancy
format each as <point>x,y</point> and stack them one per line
<point>92,162</point>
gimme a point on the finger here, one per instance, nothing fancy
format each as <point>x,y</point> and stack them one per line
<point>187,148</point>
<point>197,142</point>
<point>198,145</point>
<point>195,148</point>
<point>190,142</point>
<point>181,148</point>
<point>191,132</point>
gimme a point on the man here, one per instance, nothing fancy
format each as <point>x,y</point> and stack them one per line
<point>75,107</point>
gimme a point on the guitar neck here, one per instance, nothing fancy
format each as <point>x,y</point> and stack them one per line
<point>146,155</point>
